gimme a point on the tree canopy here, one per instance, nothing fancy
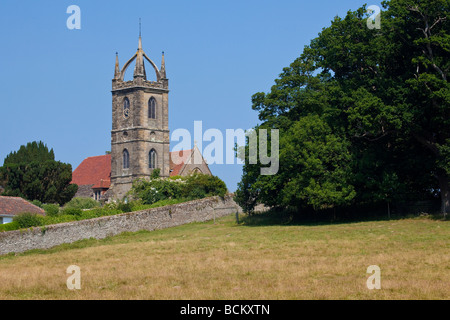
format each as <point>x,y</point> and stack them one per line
<point>33,151</point>
<point>363,114</point>
<point>32,173</point>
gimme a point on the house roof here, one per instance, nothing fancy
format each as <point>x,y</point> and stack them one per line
<point>102,184</point>
<point>95,171</point>
<point>176,165</point>
<point>11,206</point>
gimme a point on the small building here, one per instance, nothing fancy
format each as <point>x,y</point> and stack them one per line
<point>13,206</point>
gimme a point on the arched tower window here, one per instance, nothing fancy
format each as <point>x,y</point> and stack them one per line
<point>126,159</point>
<point>152,159</point>
<point>126,107</point>
<point>152,108</point>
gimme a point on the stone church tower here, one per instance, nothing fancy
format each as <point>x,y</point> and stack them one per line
<point>140,138</point>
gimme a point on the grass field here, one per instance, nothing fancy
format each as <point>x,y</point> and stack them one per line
<point>256,259</point>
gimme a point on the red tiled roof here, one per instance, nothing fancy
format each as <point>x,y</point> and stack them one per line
<point>12,206</point>
<point>94,171</point>
<point>183,155</point>
<point>102,184</point>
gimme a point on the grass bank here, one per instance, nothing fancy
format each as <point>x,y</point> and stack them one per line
<point>255,259</point>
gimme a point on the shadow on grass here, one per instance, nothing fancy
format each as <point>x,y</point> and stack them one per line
<point>292,218</point>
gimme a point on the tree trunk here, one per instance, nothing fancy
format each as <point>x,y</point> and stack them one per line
<point>443,178</point>
<point>444,185</point>
<point>389,210</point>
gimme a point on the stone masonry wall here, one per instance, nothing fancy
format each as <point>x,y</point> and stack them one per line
<point>99,228</point>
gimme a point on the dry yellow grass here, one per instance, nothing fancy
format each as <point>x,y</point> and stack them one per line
<point>229,261</point>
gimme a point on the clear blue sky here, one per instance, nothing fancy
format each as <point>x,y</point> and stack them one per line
<point>56,83</point>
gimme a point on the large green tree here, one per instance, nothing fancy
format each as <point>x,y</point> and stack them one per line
<point>32,152</point>
<point>385,97</point>
<point>32,173</point>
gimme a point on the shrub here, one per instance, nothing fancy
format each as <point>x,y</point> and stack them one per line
<point>28,220</point>
<point>156,190</point>
<point>82,203</point>
<point>9,226</point>
<point>196,186</point>
<point>37,203</point>
<point>155,174</point>
<point>199,186</point>
<point>60,218</point>
<point>113,208</point>
<point>124,206</point>
<point>108,210</point>
<point>51,209</point>
<point>72,211</point>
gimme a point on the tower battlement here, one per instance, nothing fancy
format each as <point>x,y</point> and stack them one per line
<point>163,84</point>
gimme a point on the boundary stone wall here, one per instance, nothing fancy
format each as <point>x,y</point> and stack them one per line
<point>152,219</point>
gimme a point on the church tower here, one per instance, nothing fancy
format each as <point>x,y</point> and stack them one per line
<point>140,139</point>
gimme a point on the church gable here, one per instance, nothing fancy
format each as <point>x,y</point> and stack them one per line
<point>192,162</point>
<point>178,160</point>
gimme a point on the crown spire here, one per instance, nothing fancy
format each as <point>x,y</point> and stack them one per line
<point>140,75</point>
<point>139,69</point>
<point>117,70</point>
<point>163,67</point>
<point>140,38</point>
